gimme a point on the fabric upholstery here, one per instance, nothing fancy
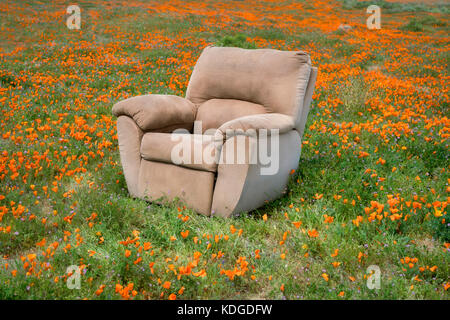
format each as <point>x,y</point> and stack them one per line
<point>215,112</point>
<point>154,112</point>
<point>242,187</point>
<point>274,79</point>
<point>129,136</point>
<point>161,147</point>
<point>163,182</point>
<point>245,125</point>
<point>239,92</point>
<point>301,119</point>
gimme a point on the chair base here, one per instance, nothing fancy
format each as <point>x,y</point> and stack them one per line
<point>163,182</point>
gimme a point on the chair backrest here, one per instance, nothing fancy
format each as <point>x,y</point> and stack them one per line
<point>277,80</point>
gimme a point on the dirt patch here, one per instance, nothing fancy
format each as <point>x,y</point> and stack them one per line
<point>426,244</point>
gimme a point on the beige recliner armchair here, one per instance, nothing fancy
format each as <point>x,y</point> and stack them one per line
<point>233,94</point>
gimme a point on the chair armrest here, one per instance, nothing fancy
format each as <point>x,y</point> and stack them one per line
<point>254,123</point>
<point>155,112</point>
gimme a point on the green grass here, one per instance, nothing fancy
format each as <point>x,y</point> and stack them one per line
<point>419,25</point>
<point>238,40</point>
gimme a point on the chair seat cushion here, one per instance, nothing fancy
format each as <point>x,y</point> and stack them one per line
<point>215,112</point>
<point>188,150</point>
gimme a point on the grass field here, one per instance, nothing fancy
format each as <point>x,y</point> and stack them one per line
<point>372,188</point>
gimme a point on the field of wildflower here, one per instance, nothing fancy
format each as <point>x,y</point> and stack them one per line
<point>372,188</point>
